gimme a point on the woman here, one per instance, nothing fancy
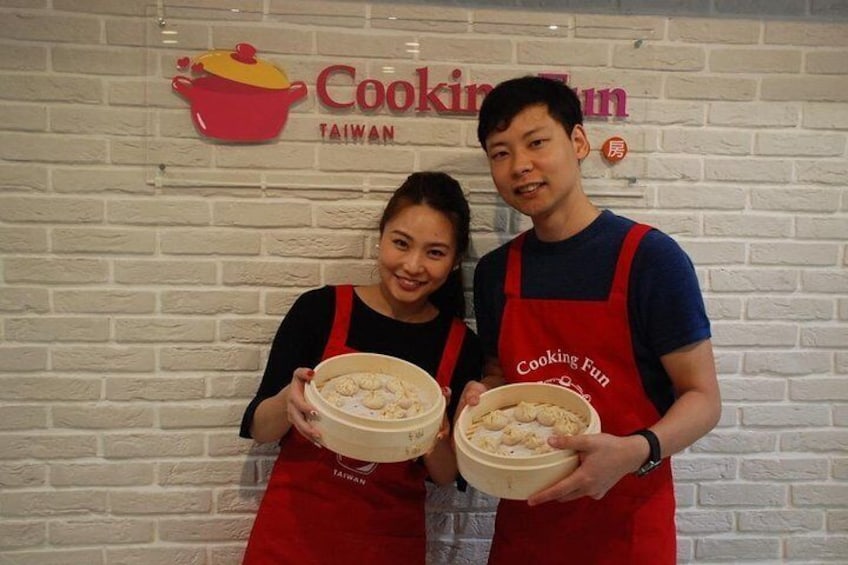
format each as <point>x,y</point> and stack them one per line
<point>323,508</point>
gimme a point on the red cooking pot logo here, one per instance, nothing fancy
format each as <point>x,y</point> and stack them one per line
<point>237,97</point>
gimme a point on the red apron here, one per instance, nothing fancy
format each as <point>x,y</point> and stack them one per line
<point>323,508</point>
<point>585,345</point>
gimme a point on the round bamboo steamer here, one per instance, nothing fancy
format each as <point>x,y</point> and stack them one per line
<point>369,438</point>
<point>517,477</point>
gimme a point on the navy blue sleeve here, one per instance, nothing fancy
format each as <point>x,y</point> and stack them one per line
<point>667,310</point>
<point>489,299</point>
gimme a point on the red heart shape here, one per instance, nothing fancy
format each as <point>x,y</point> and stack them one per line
<point>197,68</point>
<point>183,62</point>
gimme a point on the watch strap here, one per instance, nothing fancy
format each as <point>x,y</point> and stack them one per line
<point>654,454</point>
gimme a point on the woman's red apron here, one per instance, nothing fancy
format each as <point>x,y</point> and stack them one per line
<point>585,346</point>
<point>323,508</point>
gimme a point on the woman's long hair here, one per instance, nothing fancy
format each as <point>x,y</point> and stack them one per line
<point>443,193</point>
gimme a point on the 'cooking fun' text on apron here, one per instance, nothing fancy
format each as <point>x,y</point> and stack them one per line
<point>321,508</point>
<point>585,346</point>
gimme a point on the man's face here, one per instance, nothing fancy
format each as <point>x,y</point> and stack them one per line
<point>535,164</point>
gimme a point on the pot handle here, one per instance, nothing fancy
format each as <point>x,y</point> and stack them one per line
<point>297,90</point>
<point>183,85</point>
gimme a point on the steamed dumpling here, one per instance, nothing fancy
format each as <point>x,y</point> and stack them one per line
<point>368,381</point>
<point>512,435</point>
<point>568,425</point>
<point>394,385</point>
<point>374,400</point>
<point>495,420</point>
<point>525,412</point>
<point>487,443</point>
<point>345,386</point>
<point>548,415</point>
<point>536,443</point>
<point>335,399</point>
<point>393,411</point>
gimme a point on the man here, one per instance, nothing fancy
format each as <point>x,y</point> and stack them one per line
<point>611,309</point>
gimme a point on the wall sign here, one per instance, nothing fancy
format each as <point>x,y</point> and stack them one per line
<point>240,98</point>
<point>614,149</point>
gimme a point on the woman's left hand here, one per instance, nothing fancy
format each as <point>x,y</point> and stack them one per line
<point>299,411</point>
<point>445,428</point>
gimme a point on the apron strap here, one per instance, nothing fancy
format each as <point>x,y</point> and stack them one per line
<point>453,345</point>
<point>621,279</point>
<point>512,283</point>
<point>341,321</point>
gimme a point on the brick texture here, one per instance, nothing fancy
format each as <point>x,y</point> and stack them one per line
<point>144,268</point>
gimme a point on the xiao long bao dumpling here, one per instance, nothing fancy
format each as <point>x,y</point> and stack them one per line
<point>345,386</point>
<point>548,415</point>
<point>523,429</point>
<point>374,400</point>
<point>372,394</point>
<point>369,381</point>
<point>496,420</point>
<point>525,412</point>
<point>512,435</point>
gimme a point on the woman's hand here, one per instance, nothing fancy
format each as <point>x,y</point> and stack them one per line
<point>299,411</point>
<point>440,459</point>
<point>444,430</point>
<point>493,377</point>
<point>470,395</point>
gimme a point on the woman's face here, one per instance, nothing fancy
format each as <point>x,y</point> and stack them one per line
<point>417,253</point>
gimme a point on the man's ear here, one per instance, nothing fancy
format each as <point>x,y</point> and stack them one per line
<point>580,142</point>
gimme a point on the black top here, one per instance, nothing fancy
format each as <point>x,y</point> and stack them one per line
<point>665,306</point>
<point>303,334</point>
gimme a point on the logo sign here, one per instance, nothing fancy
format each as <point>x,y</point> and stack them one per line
<point>614,149</point>
<point>237,96</point>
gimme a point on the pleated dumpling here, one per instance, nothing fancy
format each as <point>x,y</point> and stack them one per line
<point>548,415</point>
<point>345,386</point>
<point>568,425</point>
<point>525,412</point>
<point>487,443</point>
<point>393,411</point>
<point>495,420</point>
<point>369,381</point>
<point>374,400</point>
<point>335,399</point>
<point>512,435</point>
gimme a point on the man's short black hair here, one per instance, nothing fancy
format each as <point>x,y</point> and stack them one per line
<point>512,96</point>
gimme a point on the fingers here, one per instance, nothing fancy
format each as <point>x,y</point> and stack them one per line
<point>561,492</point>
<point>472,392</point>
<point>571,487</point>
<point>300,412</point>
<point>470,395</point>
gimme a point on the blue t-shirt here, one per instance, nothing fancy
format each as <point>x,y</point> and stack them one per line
<point>666,308</point>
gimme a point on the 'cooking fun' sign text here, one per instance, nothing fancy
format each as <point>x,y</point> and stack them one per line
<point>237,97</point>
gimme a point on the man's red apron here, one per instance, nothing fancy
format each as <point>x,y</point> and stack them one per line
<point>585,346</point>
<point>322,508</point>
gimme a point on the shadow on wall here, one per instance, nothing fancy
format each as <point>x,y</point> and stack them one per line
<point>255,470</point>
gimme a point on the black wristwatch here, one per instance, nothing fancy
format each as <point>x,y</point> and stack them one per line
<point>654,457</point>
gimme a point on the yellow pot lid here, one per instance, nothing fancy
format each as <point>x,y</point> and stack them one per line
<point>242,66</point>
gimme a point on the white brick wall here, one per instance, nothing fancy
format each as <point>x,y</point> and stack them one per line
<point>144,269</point>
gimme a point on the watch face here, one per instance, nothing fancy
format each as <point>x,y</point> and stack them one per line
<point>648,467</point>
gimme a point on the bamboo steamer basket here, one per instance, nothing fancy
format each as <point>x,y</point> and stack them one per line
<point>370,438</point>
<point>518,477</point>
